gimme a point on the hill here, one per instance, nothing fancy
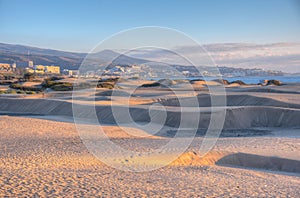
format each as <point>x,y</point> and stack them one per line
<point>67,60</point>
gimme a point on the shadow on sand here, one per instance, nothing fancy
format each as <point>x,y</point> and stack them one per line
<point>260,162</point>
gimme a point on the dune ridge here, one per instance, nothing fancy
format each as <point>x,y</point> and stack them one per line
<point>236,117</point>
<point>238,159</point>
<point>204,100</point>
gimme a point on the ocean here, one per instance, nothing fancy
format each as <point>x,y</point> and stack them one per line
<point>256,79</point>
<point>246,79</point>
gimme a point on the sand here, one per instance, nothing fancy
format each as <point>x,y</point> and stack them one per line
<point>50,160</point>
<point>42,155</point>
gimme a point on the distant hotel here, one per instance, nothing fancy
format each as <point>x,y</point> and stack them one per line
<point>7,68</point>
<point>37,69</point>
<point>41,69</point>
<point>71,73</point>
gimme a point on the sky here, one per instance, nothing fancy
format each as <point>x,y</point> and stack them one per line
<point>275,56</point>
<point>74,25</point>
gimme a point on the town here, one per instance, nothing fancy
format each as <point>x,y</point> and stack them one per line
<point>6,68</point>
<point>34,79</point>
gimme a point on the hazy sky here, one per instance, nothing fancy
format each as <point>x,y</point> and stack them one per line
<point>79,25</point>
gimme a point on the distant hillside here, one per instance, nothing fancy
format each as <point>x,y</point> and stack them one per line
<point>20,54</point>
<point>71,60</point>
<point>67,60</point>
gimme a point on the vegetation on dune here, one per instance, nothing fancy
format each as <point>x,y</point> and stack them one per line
<point>7,79</point>
<point>238,82</point>
<point>7,76</point>
<point>193,80</point>
<point>6,82</point>
<point>25,88</point>
<point>13,91</point>
<point>57,86</point>
<point>155,84</point>
<point>108,83</point>
<point>274,82</point>
<point>28,77</point>
<point>112,80</point>
<point>162,83</point>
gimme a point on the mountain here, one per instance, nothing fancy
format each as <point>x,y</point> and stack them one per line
<point>67,60</point>
<point>21,54</point>
<point>22,49</point>
<point>234,56</point>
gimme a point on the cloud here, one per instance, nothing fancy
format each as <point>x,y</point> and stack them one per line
<point>271,56</point>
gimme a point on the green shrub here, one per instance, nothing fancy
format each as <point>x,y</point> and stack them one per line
<point>57,86</point>
<point>16,86</point>
<point>11,91</point>
<point>5,82</point>
<point>112,80</point>
<point>30,92</point>
<point>105,85</point>
<point>155,84</point>
<point>274,82</point>
<point>238,82</point>
<point>48,84</point>
<point>28,77</point>
<point>62,87</point>
<point>54,78</point>
<point>67,86</point>
<point>20,92</point>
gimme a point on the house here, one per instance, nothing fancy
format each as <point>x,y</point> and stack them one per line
<point>5,67</point>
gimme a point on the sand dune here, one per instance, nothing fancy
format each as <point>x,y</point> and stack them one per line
<point>243,160</point>
<point>236,117</point>
<point>194,159</point>
<point>204,100</point>
<point>261,162</point>
<point>257,154</point>
<point>47,158</point>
